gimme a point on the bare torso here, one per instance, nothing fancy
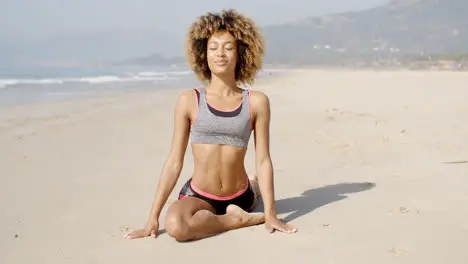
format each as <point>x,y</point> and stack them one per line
<point>219,169</point>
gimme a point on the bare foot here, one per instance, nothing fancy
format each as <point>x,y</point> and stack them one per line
<point>254,182</point>
<point>253,176</point>
<point>243,218</point>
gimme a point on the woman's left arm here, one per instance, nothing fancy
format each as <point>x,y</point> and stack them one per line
<point>260,106</point>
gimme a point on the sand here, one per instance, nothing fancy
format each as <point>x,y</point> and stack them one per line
<point>370,166</point>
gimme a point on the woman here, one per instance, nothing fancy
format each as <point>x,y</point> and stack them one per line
<point>224,50</point>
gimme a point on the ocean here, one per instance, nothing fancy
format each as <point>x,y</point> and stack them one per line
<point>41,85</point>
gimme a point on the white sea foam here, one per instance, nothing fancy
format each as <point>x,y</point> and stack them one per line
<point>7,82</point>
<point>143,76</point>
<point>130,77</point>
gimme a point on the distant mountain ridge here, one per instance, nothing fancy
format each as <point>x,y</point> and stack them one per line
<point>401,26</point>
<point>396,29</point>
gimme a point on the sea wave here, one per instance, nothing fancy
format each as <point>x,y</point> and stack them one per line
<point>128,77</point>
<point>7,82</point>
<point>141,76</point>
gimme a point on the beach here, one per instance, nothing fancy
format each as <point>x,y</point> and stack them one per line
<point>370,166</point>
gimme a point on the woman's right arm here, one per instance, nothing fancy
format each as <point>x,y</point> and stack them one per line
<point>172,166</point>
<point>175,160</point>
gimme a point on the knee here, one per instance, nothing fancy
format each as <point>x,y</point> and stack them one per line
<point>177,228</point>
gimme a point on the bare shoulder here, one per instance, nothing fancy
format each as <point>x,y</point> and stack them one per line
<point>259,101</point>
<point>186,100</point>
<point>186,97</point>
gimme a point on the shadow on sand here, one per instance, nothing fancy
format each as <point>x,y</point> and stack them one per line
<point>312,199</point>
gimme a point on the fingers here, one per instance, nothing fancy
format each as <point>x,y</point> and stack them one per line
<point>138,234</point>
<point>282,227</point>
<point>270,229</point>
<point>135,234</point>
<point>290,228</point>
<point>132,236</point>
<point>276,226</point>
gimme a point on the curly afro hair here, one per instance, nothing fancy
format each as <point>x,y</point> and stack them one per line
<point>250,44</point>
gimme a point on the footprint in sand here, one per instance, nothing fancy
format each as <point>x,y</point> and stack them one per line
<point>398,251</point>
<point>124,231</point>
<point>403,210</point>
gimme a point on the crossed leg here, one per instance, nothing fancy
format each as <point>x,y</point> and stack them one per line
<point>192,218</point>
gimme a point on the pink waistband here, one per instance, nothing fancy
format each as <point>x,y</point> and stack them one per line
<point>220,198</point>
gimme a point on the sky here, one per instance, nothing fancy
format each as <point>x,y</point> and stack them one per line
<point>33,18</point>
<point>62,32</point>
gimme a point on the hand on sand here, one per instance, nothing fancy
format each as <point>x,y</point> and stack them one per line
<point>273,223</point>
<point>151,229</point>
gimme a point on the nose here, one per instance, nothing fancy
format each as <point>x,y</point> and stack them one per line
<point>220,52</point>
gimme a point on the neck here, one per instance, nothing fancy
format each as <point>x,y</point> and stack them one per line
<point>223,86</point>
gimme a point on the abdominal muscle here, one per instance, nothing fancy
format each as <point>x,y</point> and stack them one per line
<point>219,169</point>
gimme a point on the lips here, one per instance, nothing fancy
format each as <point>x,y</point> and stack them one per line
<point>220,63</point>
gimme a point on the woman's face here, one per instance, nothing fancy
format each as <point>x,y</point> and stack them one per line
<point>222,53</point>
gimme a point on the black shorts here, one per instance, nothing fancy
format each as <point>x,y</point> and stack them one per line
<point>245,198</point>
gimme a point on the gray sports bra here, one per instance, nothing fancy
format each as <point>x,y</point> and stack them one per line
<point>213,126</point>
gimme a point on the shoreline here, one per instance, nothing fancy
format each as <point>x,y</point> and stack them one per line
<point>24,91</point>
<point>59,92</point>
<point>142,89</point>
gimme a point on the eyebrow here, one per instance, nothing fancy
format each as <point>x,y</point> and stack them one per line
<point>225,42</point>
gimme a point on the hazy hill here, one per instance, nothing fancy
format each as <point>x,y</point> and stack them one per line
<point>401,26</point>
<point>394,30</point>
